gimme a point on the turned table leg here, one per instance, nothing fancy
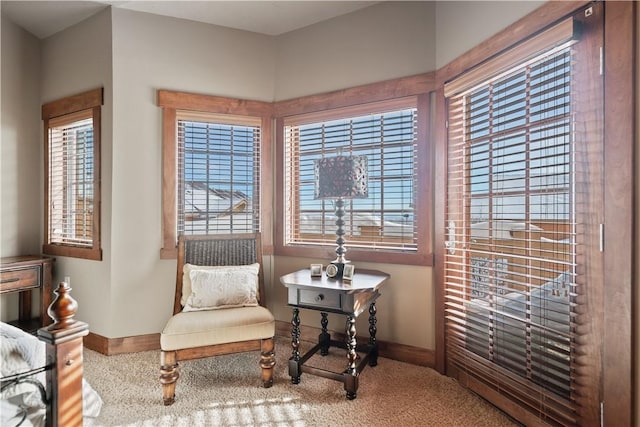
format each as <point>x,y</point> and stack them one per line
<point>294,361</point>
<point>351,373</point>
<point>373,358</point>
<point>324,338</point>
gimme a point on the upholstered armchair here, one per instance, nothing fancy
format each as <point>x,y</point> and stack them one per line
<point>218,306</point>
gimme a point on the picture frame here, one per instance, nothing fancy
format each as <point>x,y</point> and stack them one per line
<point>316,270</point>
<point>349,271</point>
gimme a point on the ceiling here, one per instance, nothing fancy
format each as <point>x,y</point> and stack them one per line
<point>45,18</point>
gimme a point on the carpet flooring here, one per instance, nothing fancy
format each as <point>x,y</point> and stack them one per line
<point>226,391</point>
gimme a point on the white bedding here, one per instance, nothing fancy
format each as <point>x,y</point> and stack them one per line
<point>20,352</point>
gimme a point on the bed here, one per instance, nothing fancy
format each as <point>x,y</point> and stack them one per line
<point>41,377</point>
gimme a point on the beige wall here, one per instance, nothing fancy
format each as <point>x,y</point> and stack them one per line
<point>377,43</point>
<point>461,25</point>
<point>152,52</point>
<point>75,60</point>
<point>20,152</point>
<point>133,54</point>
<point>128,293</point>
<point>21,158</point>
<point>381,42</point>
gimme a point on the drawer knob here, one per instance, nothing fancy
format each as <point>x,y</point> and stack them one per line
<point>319,298</point>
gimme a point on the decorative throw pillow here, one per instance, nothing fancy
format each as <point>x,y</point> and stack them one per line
<point>222,287</point>
<point>186,276</point>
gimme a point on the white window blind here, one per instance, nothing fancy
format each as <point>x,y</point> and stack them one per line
<point>218,174</point>
<point>384,220</point>
<point>71,179</point>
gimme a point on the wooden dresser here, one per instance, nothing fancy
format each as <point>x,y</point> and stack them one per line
<point>24,274</point>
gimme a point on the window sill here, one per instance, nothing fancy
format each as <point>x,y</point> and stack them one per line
<point>94,254</point>
<point>356,254</point>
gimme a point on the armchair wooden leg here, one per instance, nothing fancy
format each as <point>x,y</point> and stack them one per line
<point>267,361</point>
<point>168,376</point>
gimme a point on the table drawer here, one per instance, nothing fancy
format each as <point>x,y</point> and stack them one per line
<point>19,279</point>
<point>319,299</point>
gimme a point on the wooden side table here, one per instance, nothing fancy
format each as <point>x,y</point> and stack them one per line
<point>23,274</point>
<point>334,296</point>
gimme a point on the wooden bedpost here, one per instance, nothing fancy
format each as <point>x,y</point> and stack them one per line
<point>64,353</point>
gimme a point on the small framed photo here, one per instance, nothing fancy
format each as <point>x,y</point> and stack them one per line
<point>316,270</point>
<point>349,271</point>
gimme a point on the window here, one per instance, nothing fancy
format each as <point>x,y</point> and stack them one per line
<point>518,183</point>
<point>524,191</point>
<point>384,226</point>
<point>385,219</point>
<point>72,162</point>
<point>212,165</point>
<point>518,135</point>
<point>218,174</point>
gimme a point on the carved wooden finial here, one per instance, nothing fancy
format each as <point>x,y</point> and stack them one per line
<point>64,327</point>
<point>63,307</point>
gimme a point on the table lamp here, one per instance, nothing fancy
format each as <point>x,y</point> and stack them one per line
<point>340,177</point>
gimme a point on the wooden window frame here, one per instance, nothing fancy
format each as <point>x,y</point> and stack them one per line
<point>297,152</point>
<point>619,53</point>
<point>171,102</point>
<point>89,104</point>
<point>508,177</point>
<point>206,134</point>
<point>419,86</point>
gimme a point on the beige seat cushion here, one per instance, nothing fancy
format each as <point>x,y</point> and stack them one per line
<point>202,328</point>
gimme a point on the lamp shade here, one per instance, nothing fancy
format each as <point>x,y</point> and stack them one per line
<point>341,177</point>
